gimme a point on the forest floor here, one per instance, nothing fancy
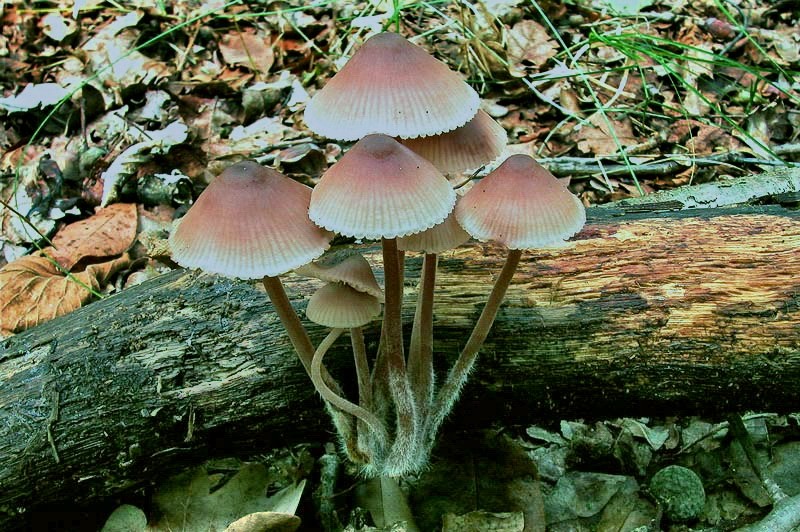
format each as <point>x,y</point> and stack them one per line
<point>115,115</point>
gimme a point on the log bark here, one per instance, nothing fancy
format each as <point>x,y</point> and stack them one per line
<point>643,313</point>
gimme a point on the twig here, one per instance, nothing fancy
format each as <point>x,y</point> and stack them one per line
<point>585,166</point>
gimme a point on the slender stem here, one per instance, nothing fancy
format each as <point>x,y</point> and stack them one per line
<point>339,402</point>
<point>366,439</point>
<point>362,367</point>
<point>448,393</point>
<point>392,319</point>
<point>380,373</point>
<point>395,504</point>
<point>403,453</point>
<point>291,322</point>
<point>420,352</point>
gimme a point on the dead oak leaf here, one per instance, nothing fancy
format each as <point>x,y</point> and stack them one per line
<point>247,49</point>
<point>528,42</point>
<point>605,136</point>
<point>33,290</point>
<point>107,233</point>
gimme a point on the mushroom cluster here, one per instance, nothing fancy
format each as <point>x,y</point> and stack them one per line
<point>410,130</point>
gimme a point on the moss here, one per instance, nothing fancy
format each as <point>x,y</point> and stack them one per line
<point>680,491</point>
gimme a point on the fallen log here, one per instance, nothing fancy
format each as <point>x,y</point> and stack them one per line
<point>645,312</point>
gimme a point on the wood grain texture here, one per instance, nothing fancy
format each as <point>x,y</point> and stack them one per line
<point>649,313</point>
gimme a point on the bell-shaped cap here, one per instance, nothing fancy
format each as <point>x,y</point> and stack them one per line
<point>381,189</point>
<point>250,222</point>
<point>478,142</point>
<point>439,238</point>
<point>521,205</point>
<point>338,305</point>
<point>351,269</point>
<point>393,87</point>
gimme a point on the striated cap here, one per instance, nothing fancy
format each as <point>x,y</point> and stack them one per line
<point>393,87</point>
<point>351,269</point>
<point>338,305</point>
<point>439,238</point>
<point>521,205</point>
<point>478,142</point>
<point>250,222</point>
<point>381,189</point>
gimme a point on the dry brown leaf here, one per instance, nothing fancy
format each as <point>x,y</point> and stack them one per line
<point>529,41</point>
<point>247,49</point>
<point>599,140</point>
<point>33,290</point>
<point>106,234</point>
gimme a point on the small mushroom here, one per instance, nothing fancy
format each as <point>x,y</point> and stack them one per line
<point>351,299</point>
<point>522,206</point>
<point>340,307</point>
<point>350,268</point>
<point>393,87</point>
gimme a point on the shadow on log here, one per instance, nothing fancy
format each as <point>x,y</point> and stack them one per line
<point>648,313</point>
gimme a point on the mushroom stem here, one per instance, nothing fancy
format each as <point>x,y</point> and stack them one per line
<point>336,400</point>
<point>291,322</point>
<point>448,393</point>
<point>404,447</point>
<point>392,319</point>
<point>420,352</point>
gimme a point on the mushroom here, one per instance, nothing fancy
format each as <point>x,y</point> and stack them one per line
<point>352,270</point>
<point>251,222</point>
<point>381,189</point>
<point>522,206</point>
<point>478,142</point>
<point>393,87</point>
<point>340,306</point>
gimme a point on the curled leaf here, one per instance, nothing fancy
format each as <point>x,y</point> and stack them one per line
<point>106,234</point>
<point>33,290</point>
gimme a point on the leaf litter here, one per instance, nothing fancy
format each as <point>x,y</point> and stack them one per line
<point>194,501</point>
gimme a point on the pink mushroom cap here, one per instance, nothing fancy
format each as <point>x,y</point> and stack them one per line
<point>250,222</point>
<point>393,87</point>
<point>439,238</point>
<point>381,189</point>
<point>521,205</point>
<point>351,269</point>
<point>338,305</point>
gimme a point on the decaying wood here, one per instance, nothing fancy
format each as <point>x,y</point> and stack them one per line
<point>646,313</point>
